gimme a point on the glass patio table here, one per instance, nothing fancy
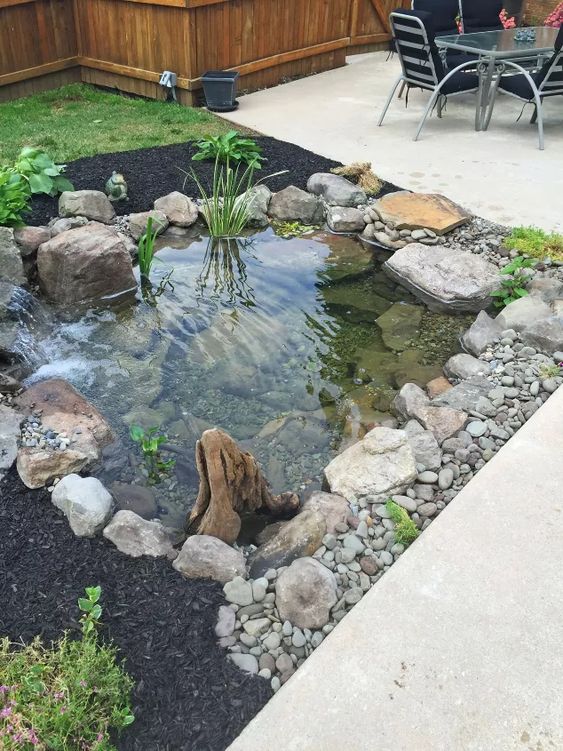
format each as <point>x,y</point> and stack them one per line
<point>497,51</point>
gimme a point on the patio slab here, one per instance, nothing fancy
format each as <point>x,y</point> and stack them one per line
<point>499,174</point>
<point>458,646</point>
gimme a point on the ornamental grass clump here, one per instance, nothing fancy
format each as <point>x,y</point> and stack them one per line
<point>71,696</point>
<point>406,531</point>
<point>145,249</point>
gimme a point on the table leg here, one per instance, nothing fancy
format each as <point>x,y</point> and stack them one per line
<point>486,71</point>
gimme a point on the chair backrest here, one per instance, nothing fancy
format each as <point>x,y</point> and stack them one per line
<point>443,12</point>
<point>480,15</point>
<point>550,78</point>
<point>414,41</point>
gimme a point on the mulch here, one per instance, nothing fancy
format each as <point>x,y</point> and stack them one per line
<point>187,696</point>
<point>152,173</point>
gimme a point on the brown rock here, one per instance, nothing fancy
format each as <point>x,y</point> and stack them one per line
<point>84,264</point>
<point>179,209</point>
<point>437,386</point>
<point>93,204</point>
<point>421,210</point>
<point>230,481</point>
<point>138,222</point>
<point>333,507</point>
<point>301,536</point>
<point>444,422</point>
<point>369,566</point>
<point>30,238</point>
<point>38,467</point>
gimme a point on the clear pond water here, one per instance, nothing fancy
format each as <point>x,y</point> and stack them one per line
<point>274,340</point>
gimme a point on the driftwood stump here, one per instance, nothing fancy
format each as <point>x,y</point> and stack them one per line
<point>230,481</point>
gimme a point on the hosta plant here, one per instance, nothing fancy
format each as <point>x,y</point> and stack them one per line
<point>42,174</point>
<point>14,198</point>
<point>230,147</point>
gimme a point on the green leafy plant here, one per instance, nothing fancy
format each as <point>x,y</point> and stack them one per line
<point>535,242</point>
<point>69,696</point>
<point>150,442</point>
<point>551,371</point>
<point>513,287</point>
<point>406,531</point>
<point>14,198</point>
<point>288,230</point>
<point>229,147</point>
<point>145,248</point>
<point>40,171</point>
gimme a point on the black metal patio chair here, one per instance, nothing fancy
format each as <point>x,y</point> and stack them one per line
<point>421,65</point>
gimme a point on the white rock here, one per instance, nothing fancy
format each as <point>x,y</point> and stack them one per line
<point>209,558</point>
<point>85,502</point>
<point>136,536</point>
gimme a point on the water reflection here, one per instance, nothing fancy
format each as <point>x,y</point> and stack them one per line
<point>224,274</point>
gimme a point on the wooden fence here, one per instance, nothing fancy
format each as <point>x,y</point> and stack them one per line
<point>126,44</point>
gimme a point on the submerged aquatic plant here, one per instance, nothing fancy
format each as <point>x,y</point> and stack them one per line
<point>288,230</point>
<point>150,442</point>
<point>406,531</point>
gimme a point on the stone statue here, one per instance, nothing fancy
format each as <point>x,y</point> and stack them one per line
<point>116,187</point>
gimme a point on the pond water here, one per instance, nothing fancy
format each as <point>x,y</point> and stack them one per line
<point>274,340</point>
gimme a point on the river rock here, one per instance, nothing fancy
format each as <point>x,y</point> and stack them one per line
<point>443,278</point>
<point>299,537</point>
<point>336,190</point>
<point>246,662</point>
<point>406,210</point>
<point>30,238</point>
<point>84,264</point>
<point>178,209</point>
<point>465,366</point>
<point>381,464</point>
<point>333,507</point>
<point>226,620</point>
<point>239,592</point>
<point>93,204</point>
<point>293,204</point>
<point>85,502</point>
<point>138,223</point>
<point>137,498</point>
<point>205,557</point>
<point>11,264</point>
<point>136,537</point>
<point>482,332</point>
<point>343,219</point>
<point>305,593</point>
<point>10,422</point>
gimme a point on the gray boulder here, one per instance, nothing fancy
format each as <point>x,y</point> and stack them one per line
<point>410,398</point>
<point>138,222</point>
<point>10,422</point>
<point>465,366</point>
<point>523,313</point>
<point>336,190</point>
<point>381,464</point>
<point>444,279</point>
<point>545,334</point>
<point>482,332</point>
<point>305,593</point>
<point>299,537</point>
<point>343,219</point>
<point>85,503</point>
<point>84,264</point>
<point>293,204</point>
<point>442,421</point>
<point>93,204</point>
<point>11,264</point>
<point>465,395</point>
<point>206,557</point>
<point>135,536</point>
<point>178,209</point>
<point>257,208</point>
<point>424,445</point>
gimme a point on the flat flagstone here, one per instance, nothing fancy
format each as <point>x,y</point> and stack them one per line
<point>415,210</point>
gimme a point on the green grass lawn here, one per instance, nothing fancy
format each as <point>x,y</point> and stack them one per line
<point>80,120</point>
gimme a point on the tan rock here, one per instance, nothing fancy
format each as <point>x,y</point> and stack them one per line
<point>305,593</point>
<point>421,210</point>
<point>84,264</point>
<point>333,507</point>
<point>93,204</point>
<point>136,537</point>
<point>437,386</point>
<point>138,222</point>
<point>30,238</point>
<point>444,422</point>
<point>38,467</point>
<point>179,209</point>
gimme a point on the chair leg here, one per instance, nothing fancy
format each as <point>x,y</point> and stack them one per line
<point>440,105</point>
<point>402,90</point>
<point>427,111</point>
<point>539,110</point>
<point>390,98</point>
<point>534,117</point>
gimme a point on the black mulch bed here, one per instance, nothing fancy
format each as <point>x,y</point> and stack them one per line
<point>152,173</point>
<point>188,696</point>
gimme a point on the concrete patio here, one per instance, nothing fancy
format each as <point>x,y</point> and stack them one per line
<point>499,174</point>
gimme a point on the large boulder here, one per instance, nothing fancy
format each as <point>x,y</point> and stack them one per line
<point>11,264</point>
<point>178,208</point>
<point>333,507</point>
<point>85,502</point>
<point>343,219</point>
<point>84,264</point>
<point>136,537</point>
<point>523,313</point>
<point>406,210</point>
<point>381,464</point>
<point>546,334</point>
<point>305,593</point>
<point>299,537</point>
<point>293,204</point>
<point>63,410</point>
<point>446,280</point>
<point>483,331</point>
<point>10,422</point>
<point>93,204</point>
<point>208,557</point>
<point>336,190</point>
<point>138,222</point>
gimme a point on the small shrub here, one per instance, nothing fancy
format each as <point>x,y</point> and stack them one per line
<point>42,174</point>
<point>230,147</point>
<point>14,198</point>
<point>69,696</point>
<point>150,442</point>
<point>406,531</point>
<point>535,242</point>
<point>514,286</point>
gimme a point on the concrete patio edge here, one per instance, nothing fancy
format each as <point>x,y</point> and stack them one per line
<point>458,646</point>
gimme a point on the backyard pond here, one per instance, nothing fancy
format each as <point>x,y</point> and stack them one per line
<point>274,340</point>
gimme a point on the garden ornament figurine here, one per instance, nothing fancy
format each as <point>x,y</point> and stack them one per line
<point>116,187</point>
